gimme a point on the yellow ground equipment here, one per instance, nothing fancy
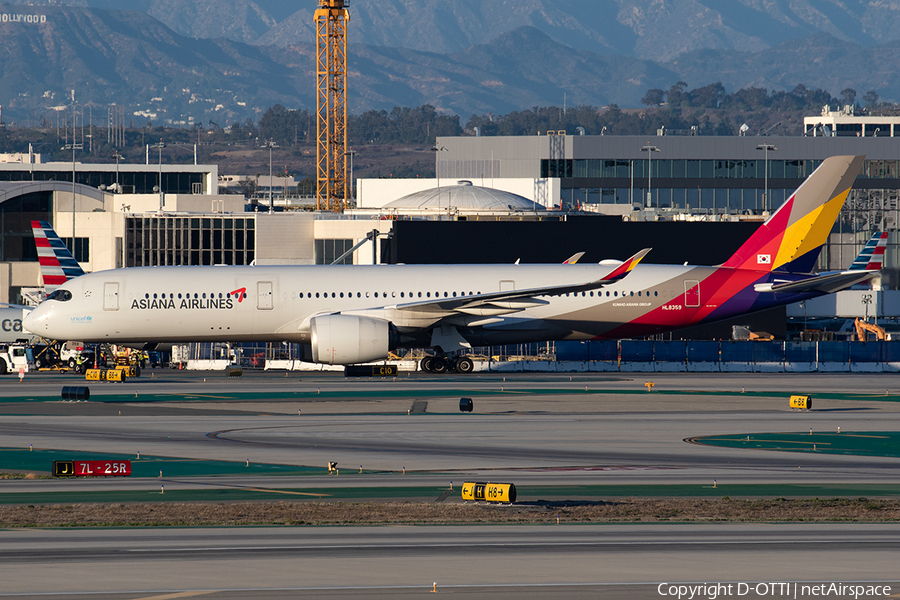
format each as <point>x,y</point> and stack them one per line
<point>862,328</point>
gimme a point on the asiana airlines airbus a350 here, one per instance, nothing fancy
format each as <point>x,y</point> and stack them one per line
<point>355,314</point>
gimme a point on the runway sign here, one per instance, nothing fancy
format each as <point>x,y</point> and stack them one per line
<point>489,492</point>
<point>804,402</point>
<point>91,468</point>
<point>371,371</point>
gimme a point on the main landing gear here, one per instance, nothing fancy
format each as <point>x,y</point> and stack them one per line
<point>446,364</point>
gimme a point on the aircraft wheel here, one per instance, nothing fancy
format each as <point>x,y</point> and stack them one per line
<point>426,363</point>
<point>439,365</point>
<point>465,365</point>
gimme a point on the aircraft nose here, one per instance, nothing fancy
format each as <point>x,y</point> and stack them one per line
<point>33,319</point>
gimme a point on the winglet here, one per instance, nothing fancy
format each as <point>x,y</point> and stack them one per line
<point>626,267</point>
<point>573,259</point>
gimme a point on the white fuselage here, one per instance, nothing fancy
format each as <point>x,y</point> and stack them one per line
<point>194,304</point>
<point>11,329</point>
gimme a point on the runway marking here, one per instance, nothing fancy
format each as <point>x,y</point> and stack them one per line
<point>178,595</point>
<point>513,544</point>
<point>767,441</point>
<point>255,489</point>
<point>273,491</point>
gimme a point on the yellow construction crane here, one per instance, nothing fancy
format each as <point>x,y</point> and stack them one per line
<point>332,189</point>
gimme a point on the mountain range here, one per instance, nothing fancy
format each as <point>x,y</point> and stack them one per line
<point>229,60</point>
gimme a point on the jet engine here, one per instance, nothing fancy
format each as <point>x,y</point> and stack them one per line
<point>349,339</point>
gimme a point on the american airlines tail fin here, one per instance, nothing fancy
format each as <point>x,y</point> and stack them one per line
<point>57,263</point>
<point>791,239</point>
<point>872,256</point>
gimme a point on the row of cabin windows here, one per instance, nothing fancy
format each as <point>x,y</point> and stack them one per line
<point>614,294</point>
<point>195,295</point>
<point>385,294</point>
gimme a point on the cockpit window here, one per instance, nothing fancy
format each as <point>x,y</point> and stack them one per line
<point>61,295</point>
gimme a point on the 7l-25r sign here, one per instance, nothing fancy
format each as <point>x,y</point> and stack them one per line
<point>91,468</point>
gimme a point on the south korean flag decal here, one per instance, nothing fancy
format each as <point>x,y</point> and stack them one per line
<point>764,259</point>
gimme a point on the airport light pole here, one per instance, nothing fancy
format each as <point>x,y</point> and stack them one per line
<point>766,148</point>
<point>118,157</point>
<point>73,147</point>
<point>270,144</point>
<point>437,172</point>
<point>649,150</point>
<point>159,146</point>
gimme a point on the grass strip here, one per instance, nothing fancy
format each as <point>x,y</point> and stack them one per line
<point>41,460</point>
<point>859,510</point>
<point>501,391</point>
<point>221,491</point>
<point>861,443</point>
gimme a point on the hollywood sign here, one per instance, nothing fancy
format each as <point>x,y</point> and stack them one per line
<point>31,19</point>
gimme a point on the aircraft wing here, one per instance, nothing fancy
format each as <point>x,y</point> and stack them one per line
<point>516,300</point>
<point>826,283</point>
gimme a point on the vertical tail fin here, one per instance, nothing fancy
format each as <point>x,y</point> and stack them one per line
<point>57,263</point>
<point>872,256</point>
<point>791,239</point>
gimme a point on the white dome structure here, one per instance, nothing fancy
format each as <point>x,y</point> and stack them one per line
<point>463,197</point>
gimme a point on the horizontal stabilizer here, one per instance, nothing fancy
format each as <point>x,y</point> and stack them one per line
<point>825,284</point>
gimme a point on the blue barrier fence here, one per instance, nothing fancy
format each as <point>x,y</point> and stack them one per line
<point>826,354</point>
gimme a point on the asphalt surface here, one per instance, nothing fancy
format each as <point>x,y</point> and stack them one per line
<point>384,562</point>
<point>533,430</point>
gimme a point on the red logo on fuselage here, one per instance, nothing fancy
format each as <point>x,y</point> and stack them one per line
<point>241,293</point>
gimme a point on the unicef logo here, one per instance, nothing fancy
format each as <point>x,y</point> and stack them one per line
<point>84,319</point>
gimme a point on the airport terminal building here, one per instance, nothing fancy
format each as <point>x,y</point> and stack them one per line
<point>692,198</point>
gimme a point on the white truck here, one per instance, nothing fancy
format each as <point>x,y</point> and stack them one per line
<point>13,357</point>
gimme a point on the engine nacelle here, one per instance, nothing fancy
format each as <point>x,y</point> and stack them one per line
<point>348,339</point>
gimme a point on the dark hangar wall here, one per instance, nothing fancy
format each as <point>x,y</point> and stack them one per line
<point>475,242</point>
